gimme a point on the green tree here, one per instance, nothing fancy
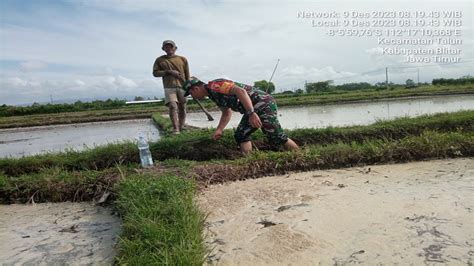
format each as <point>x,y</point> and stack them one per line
<point>410,83</point>
<point>138,98</point>
<point>263,85</point>
<point>317,86</point>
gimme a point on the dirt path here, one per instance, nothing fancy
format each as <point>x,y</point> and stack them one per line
<point>57,233</point>
<point>410,213</point>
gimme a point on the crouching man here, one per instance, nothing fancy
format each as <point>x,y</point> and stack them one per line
<point>258,108</point>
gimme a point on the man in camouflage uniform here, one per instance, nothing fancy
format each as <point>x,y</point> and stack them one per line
<point>258,108</point>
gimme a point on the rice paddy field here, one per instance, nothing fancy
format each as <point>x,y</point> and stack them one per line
<point>178,212</point>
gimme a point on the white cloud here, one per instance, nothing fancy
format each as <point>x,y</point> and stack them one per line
<point>28,66</point>
<point>79,82</point>
<point>125,82</point>
<point>107,47</point>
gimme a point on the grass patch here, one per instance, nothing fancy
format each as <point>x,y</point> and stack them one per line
<point>161,223</point>
<point>163,123</point>
<point>59,185</point>
<point>97,158</point>
<point>429,145</point>
<point>198,145</point>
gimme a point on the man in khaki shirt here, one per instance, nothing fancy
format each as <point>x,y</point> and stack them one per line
<point>175,70</point>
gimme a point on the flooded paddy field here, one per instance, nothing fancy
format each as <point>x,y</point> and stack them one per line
<point>18,142</point>
<point>362,113</point>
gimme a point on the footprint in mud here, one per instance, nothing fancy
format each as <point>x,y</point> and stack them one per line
<point>351,259</point>
<point>267,223</point>
<point>327,183</point>
<point>287,207</point>
<point>71,229</point>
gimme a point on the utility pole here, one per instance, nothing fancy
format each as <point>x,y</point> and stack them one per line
<point>305,85</point>
<point>51,97</point>
<point>268,85</point>
<point>386,77</point>
<point>418,81</point>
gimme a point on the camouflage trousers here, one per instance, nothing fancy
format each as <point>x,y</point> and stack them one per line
<point>270,125</point>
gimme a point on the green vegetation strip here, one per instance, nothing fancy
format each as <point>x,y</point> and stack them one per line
<point>371,95</point>
<point>161,223</point>
<point>59,185</point>
<point>197,145</point>
<point>429,145</point>
<point>98,158</point>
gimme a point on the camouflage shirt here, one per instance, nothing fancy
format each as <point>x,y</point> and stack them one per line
<point>219,92</point>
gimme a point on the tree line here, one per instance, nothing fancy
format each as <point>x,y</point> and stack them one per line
<point>311,87</point>
<point>36,108</point>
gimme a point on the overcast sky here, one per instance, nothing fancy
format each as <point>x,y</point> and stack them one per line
<point>73,49</point>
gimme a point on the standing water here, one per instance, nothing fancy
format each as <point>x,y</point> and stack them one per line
<point>19,142</point>
<point>321,116</point>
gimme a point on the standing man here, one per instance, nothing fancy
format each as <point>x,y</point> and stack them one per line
<point>258,108</point>
<point>175,70</point>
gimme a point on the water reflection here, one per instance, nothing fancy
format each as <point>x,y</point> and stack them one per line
<point>28,141</point>
<point>352,114</point>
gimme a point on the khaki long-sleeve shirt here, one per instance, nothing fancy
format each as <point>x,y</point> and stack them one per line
<point>174,62</point>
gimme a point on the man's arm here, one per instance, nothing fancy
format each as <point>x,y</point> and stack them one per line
<point>157,71</point>
<point>225,118</point>
<point>244,98</point>
<point>186,69</point>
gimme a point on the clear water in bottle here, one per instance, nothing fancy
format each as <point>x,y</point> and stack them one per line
<point>145,154</point>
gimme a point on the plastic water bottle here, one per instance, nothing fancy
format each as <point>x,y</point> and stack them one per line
<point>145,154</point>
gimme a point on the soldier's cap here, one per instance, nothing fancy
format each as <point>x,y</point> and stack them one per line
<point>168,42</point>
<point>188,84</point>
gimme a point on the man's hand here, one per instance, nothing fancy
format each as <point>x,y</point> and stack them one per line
<point>175,74</point>
<point>217,135</point>
<point>255,121</point>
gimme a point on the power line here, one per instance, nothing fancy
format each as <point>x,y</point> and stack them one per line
<point>380,70</point>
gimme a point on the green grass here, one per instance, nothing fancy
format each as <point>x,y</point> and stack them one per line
<point>163,123</point>
<point>429,145</point>
<point>90,159</point>
<point>161,223</point>
<point>59,185</point>
<point>198,145</point>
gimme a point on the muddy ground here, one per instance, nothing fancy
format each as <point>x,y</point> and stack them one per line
<point>411,213</point>
<point>57,233</point>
